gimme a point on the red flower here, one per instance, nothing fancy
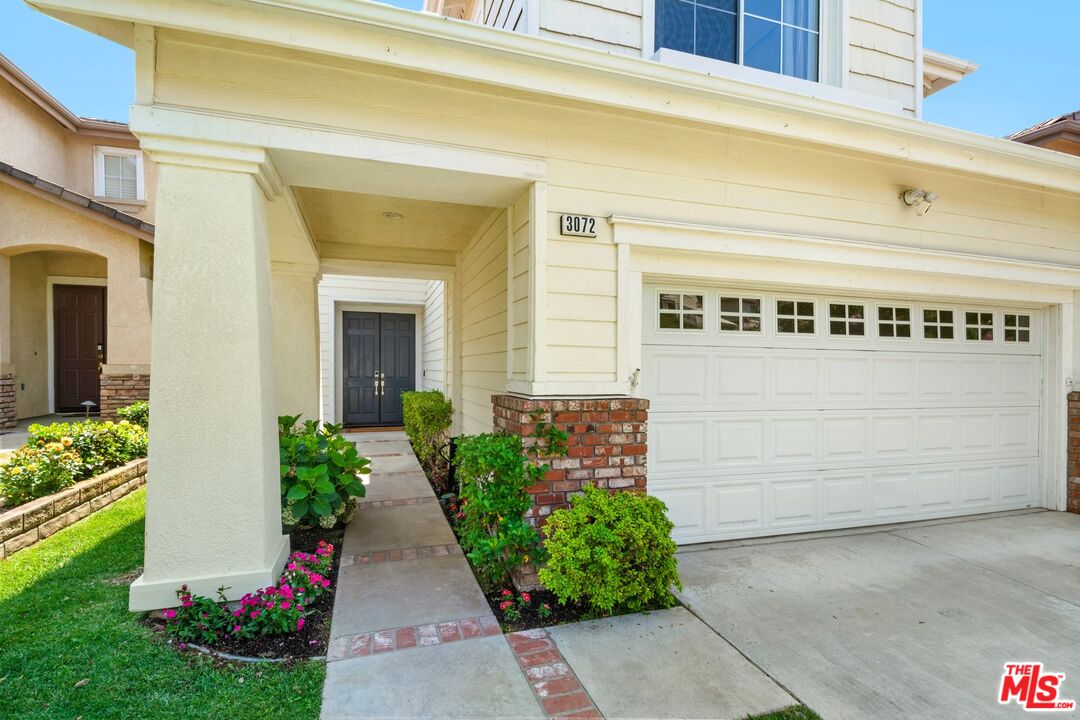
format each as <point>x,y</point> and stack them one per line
<point>525,597</point>
<point>507,593</point>
<point>505,604</point>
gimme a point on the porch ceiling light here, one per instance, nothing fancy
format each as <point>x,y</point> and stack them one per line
<point>389,215</point>
<point>920,199</point>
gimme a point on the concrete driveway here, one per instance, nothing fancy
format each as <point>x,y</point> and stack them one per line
<point>910,621</point>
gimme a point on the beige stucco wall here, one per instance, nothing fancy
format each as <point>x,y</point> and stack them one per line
<point>47,239</point>
<point>296,343</point>
<point>29,139</point>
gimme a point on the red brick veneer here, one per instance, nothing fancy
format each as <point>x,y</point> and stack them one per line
<point>1073,501</point>
<point>605,445</point>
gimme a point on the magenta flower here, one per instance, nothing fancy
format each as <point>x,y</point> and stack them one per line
<point>169,614</point>
<point>300,624</point>
<point>285,605</point>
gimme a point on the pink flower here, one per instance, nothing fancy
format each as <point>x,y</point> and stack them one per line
<point>506,593</point>
<point>285,605</point>
<point>187,603</point>
<point>326,583</point>
<point>300,624</point>
<point>291,566</point>
<point>238,612</point>
<point>236,628</point>
<point>269,606</point>
<point>255,614</point>
<point>505,604</point>
<point>526,597</point>
<point>169,614</point>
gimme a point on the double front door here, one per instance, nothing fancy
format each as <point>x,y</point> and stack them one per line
<point>379,361</point>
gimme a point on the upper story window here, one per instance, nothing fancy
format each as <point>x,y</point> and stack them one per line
<point>780,36</point>
<point>118,174</point>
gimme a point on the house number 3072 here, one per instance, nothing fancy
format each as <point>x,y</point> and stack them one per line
<point>580,225</point>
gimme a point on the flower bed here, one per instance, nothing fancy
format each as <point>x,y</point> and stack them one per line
<point>36,520</point>
<point>297,627</point>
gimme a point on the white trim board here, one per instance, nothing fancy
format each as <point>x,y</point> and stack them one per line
<point>50,330</point>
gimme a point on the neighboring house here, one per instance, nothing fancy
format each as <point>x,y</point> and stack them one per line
<point>76,257</point>
<point>724,235</point>
<point>1061,133</point>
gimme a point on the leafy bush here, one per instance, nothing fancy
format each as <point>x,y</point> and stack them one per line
<point>320,474</point>
<point>495,475</point>
<point>612,551</point>
<point>101,446</point>
<point>35,471</point>
<point>137,413</point>
<point>427,416</point>
<point>274,610</point>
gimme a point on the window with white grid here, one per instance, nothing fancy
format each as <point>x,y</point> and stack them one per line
<point>938,324</point>
<point>1017,327</point>
<point>894,322</point>
<point>740,314</point>
<point>979,326</point>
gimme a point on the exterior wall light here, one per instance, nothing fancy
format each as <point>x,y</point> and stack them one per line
<point>917,198</point>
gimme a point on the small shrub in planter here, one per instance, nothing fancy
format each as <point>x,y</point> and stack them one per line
<point>137,414</point>
<point>613,552</point>
<point>35,471</point>
<point>101,446</point>
<point>274,610</point>
<point>494,475</point>
<point>320,474</point>
<point>427,416</point>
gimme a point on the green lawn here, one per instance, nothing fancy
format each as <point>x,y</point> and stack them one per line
<point>64,619</point>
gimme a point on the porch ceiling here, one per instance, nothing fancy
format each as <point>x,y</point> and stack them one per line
<point>336,218</point>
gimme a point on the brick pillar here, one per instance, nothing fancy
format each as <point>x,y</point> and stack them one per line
<point>1073,498</point>
<point>7,401</point>
<point>605,444</point>
<point>122,389</point>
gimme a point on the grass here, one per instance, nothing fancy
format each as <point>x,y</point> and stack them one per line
<point>64,619</point>
<point>795,712</point>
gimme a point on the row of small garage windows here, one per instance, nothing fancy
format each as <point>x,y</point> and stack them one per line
<point>686,311</point>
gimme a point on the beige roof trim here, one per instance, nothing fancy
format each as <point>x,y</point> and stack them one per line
<point>941,70</point>
<point>36,94</point>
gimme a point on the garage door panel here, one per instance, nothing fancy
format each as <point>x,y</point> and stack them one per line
<point>753,432</point>
<point>747,443</point>
<point>722,508</point>
<point>726,379</point>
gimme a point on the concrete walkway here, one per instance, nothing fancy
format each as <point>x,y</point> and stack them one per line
<point>914,621</point>
<point>413,636</point>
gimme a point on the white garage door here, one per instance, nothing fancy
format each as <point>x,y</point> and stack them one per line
<point>774,413</point>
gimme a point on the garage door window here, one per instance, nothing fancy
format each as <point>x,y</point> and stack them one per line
<point>847,319</point>
<point>795,317</point>
<point>681,311</point>
<point>740,314</point>
<point>1017,328</point>
<point>894,322</point>
<point>979,326</point>
<point>938,324</point>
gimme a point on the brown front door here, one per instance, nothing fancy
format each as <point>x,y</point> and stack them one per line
<point>79,322</point>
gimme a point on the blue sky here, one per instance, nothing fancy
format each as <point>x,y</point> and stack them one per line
<point>1028,70</point>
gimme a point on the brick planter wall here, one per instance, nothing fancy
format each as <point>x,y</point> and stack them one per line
<point>1073,500</point>
<point>606,446</point>
<point>121,390</point>
<point>7,401</point>
<point>36,520</point>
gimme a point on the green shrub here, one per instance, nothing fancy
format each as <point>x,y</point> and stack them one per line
<point>613,552</point>
<point>137,413</point>
<point>428,415</point>
<point>494,475</point>
<point>35,471</point>
<point>101,446</point>
<point>320,474</point>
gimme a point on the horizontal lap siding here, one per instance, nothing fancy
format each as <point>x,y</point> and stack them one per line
<point>611,25</point>
<point>882,50</point>
<point>434,341</point>
<point>482,269</point>
<point>603,163</point>
<point>505,14</point>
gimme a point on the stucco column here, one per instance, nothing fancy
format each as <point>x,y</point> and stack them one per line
<point>7,371</point>
<point>213,515</point>
<point>296,339</point>
<point>125,378</point>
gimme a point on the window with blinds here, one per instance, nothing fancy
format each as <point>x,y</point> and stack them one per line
<point>118,174</point>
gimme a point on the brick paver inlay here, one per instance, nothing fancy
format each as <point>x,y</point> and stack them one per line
<point>399,502</point>
<point>396,555</point>
<point>551,678</point>
<point>403,638</point>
